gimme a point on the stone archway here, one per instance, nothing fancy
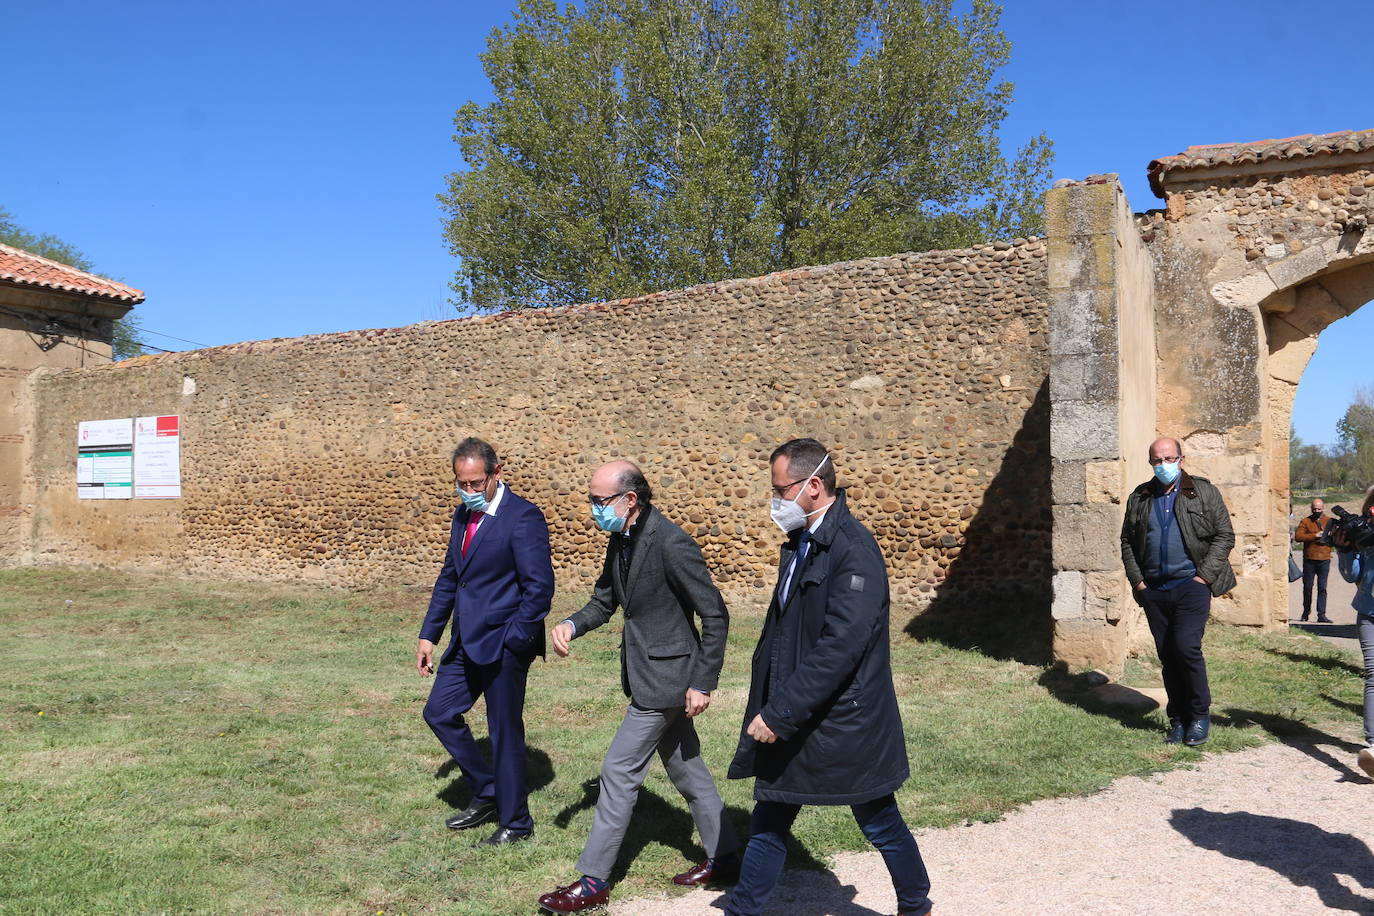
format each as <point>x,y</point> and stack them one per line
<point>1260,246</point>
<point>1293,319</point>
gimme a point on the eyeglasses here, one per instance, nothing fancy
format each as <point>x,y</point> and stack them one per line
<point>781,491</point>
<point>1174,460</point>
<point>606,500</point>
<point>472,486</point>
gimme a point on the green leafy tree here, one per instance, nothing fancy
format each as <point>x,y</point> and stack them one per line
<point>1356,429</point>
<point>636,145</point>
<point>127,340</point>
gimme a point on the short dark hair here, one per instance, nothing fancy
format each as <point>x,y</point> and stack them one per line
<point>632,480</point>
<point>472,447</point>
<point>803,455</point>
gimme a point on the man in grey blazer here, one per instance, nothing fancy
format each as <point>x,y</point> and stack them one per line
<point>655,573</point>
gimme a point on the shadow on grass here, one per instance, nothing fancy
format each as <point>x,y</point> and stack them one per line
<point>658,820</point>
<point>1324,662</point>
<point>1305,854</point>
<point>996,594</point>
<point>1299,736</point>
<point>1076,690</point>
<point>1346,705</point>
<point>457,794</point>
<point>1336,630</point>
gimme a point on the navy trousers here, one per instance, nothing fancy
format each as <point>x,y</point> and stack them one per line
<point>457,685</point>
<point>881,822</point>
<point>1314,570</point>
<point>1178,618</point>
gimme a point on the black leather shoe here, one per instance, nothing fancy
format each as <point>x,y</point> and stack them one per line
<point>1175,733</point>
<point>1323,620</point>
<point>724,870</point>
<point>474,815</point>
<point>504,836</point>
<point>1197,732</point>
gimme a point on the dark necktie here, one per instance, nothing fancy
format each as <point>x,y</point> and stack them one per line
<point>803,545</point>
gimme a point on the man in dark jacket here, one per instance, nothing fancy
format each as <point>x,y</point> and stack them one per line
<point>1316,559</point>
<point>1176,556</point>
<point>821,726</point>
<point>656,574</point>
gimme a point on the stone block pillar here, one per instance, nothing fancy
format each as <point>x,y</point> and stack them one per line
<point>1102,409</point>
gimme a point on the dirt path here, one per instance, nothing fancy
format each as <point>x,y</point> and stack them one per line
<point>1279,829</point>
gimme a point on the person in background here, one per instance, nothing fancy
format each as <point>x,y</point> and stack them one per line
<point>1316,559</point>
<point>1358,566</point>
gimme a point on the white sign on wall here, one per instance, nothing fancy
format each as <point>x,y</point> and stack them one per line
<point>157,457</point>
<point>105,459</point>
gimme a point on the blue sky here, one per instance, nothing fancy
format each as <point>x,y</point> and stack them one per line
<point>269,169</point>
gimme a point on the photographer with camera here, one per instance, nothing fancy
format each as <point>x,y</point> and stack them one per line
<point>1353,537</point>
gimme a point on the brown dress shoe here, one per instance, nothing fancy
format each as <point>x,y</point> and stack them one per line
<point>713,871</point>
<point>574,898</point>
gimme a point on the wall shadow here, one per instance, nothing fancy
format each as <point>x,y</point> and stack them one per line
<point>1338,630</point>
<point>458,794</point>
<point>1305,854</point>
<point>997,593</point>
<point>1077,690</point>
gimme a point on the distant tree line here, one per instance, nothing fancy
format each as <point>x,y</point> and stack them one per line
<point>1347,465</point>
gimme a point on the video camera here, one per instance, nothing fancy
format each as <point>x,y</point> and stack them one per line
<point>1348,530</point>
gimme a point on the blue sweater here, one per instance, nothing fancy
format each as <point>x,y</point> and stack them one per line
<point>1358,567</point>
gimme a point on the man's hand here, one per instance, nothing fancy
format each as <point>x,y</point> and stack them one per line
<point>759,731</point>
<point>697,702</point>
<point>562,636</point>
<point>1141,586</point>
<point>424,658</point>
<point>1202,580</point>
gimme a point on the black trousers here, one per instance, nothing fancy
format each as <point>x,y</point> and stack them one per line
<point>1178,618</point>
<point>1318,570</point>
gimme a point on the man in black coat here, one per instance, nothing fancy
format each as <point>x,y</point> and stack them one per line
<point>821,726</point>
<point>657,576</point>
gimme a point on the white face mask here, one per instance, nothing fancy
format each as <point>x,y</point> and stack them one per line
<point>789,516</point>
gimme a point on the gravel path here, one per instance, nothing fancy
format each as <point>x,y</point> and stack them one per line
<point>1278,829</point>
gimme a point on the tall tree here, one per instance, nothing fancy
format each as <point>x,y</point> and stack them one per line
<point>636,145</point>
<point>127,340</point>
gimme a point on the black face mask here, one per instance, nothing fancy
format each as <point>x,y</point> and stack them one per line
<point>1317,513</point>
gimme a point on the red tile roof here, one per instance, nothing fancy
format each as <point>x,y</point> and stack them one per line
<point>23,268</point>
<point>1223,154</point>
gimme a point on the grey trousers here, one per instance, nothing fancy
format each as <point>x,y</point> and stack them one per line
<point>1365,627</point>
<point>670,734</point>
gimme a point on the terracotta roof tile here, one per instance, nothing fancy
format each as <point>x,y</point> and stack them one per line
<point>23,268</point>
<point>1223,154</point>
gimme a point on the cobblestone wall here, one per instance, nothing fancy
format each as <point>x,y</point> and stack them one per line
<point>326,458</point>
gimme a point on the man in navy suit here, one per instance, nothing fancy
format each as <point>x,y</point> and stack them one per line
<point>496,585</point>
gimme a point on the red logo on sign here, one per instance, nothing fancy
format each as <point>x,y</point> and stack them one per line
<point>167,426</point>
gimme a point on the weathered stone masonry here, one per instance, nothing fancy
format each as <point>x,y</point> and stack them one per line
<point>325,458</point>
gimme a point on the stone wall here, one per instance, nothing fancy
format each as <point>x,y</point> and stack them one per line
<point>1253,260</point>
<point>1102,388</point>
<point>326,458</point>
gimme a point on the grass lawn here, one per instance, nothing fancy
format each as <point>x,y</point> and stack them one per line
<point>175,746</point>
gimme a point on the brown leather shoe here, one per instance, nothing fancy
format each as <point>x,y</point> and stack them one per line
<point>574,898</point>
<point>724,870</point>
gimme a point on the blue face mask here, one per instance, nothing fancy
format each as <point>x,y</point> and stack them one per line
<point>1166,472</point>
<point>476,502</point>
<point>606,519</point>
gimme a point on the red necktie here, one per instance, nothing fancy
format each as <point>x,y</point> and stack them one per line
<point>473,520</point>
